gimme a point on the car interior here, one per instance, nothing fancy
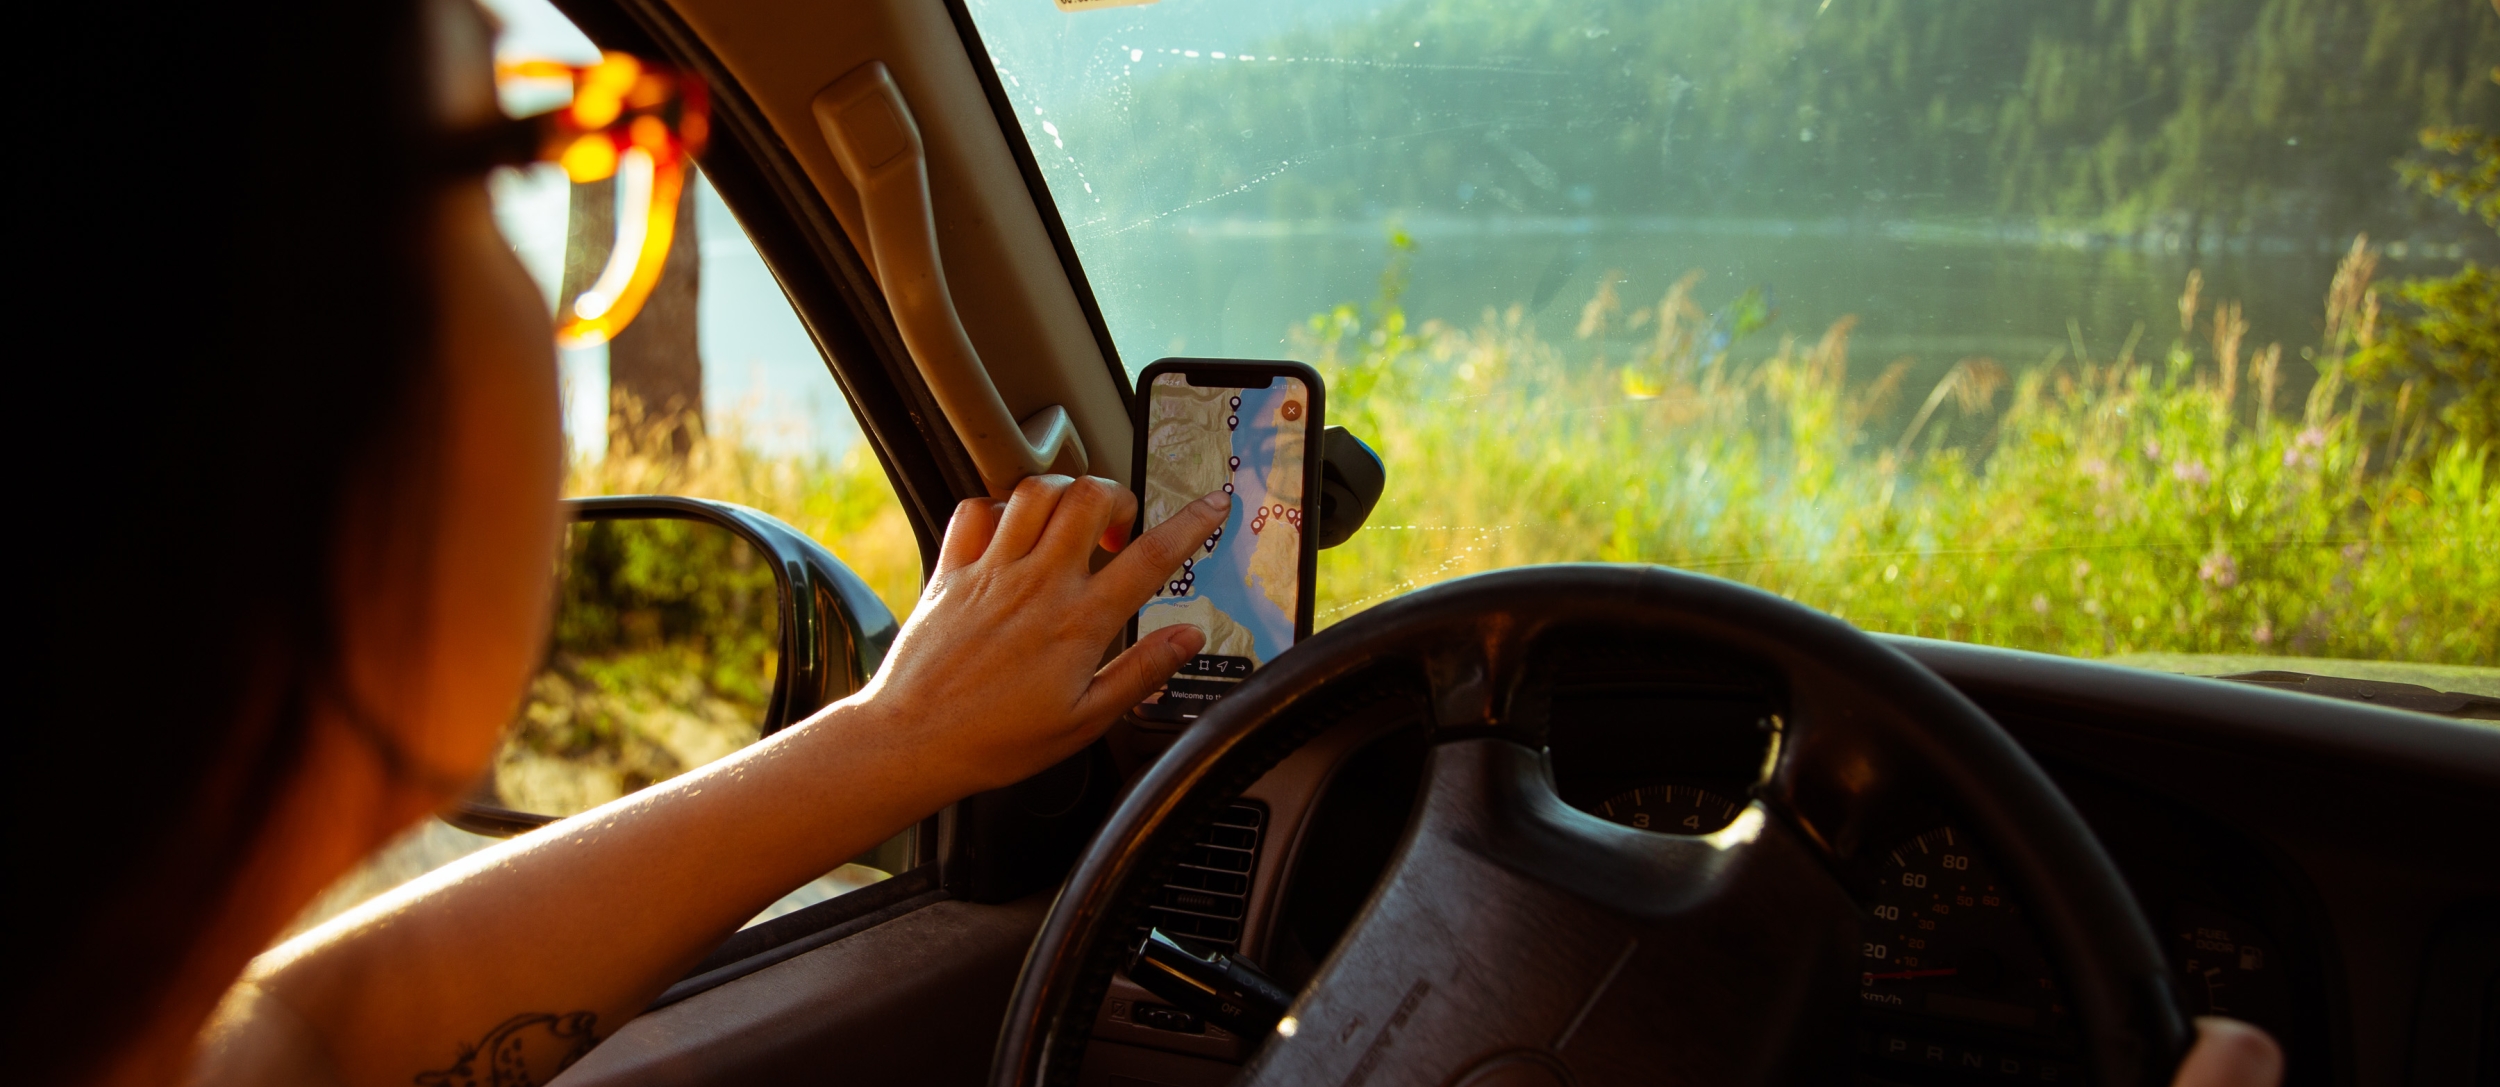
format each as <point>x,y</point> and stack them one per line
<point>1568,824</point>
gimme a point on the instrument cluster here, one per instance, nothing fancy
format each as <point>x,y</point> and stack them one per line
<point>1954,986</point>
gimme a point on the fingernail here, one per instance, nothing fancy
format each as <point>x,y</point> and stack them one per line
<point>1216,500</point>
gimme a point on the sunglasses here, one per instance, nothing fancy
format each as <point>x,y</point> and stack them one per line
<point>630,120</point>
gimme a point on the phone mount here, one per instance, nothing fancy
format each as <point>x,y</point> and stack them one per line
<point>1351,478</point>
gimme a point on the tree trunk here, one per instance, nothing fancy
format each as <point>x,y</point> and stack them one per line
<point>655,366</point>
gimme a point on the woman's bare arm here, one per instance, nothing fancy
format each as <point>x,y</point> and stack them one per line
<point>564,934</point>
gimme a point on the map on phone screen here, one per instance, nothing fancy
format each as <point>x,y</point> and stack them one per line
<point>1241,585</point>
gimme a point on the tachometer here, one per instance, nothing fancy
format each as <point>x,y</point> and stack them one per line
<point>1670,808</point>
<point>1947,939</point>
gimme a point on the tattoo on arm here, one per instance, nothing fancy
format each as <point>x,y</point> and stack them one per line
<point>523,1051</point>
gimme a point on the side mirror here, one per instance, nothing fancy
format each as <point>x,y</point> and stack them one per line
<point>685,629</point>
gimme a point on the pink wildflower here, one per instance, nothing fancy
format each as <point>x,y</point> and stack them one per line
<point>2220,569</point>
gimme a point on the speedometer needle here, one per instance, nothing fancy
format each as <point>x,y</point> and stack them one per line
<point>1906,975</point>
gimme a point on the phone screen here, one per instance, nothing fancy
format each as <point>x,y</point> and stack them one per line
<point>1243,585</point>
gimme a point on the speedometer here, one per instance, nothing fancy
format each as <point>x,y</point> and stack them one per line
<point>1947,939</point>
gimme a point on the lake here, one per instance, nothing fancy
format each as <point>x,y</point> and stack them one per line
<point>1931,292</point>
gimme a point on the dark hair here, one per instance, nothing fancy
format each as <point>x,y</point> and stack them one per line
<point>231,307</point>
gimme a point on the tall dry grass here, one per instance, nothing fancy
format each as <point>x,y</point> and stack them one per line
<point>2087,506</point>
<point>2153,500</point>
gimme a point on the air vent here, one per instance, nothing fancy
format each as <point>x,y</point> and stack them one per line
<point>1209,894</point>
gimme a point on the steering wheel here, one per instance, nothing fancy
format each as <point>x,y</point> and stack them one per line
<point>1516,940</point>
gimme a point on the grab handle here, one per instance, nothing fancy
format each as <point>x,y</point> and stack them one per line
<point>873,137</point>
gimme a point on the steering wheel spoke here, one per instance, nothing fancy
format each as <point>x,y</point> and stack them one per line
<point>1515,937</point>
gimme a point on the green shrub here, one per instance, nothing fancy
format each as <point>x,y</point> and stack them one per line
<point>2431,360</point>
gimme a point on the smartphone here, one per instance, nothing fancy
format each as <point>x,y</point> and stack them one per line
<point>1251,429</point>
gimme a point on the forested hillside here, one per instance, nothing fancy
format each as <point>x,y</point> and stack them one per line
<point>2212,117</point>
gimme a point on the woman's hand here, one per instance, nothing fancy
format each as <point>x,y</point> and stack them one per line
<point>2230,1053</point>
<point>994,677</point>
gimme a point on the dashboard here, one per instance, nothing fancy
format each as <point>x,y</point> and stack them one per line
<point>2327,872</point>
<point>1952,984</point>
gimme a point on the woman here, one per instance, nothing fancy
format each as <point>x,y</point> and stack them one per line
<point>334,559</point>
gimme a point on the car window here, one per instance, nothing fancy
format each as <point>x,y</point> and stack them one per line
<point>2143,330</point>
<point>663,658</point>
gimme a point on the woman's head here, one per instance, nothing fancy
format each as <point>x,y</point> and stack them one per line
<point>310,478</point>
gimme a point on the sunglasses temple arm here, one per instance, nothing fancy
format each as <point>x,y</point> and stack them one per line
<point>646,225</point>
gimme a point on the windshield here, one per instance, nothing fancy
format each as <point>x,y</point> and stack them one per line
<point>2122,330</point>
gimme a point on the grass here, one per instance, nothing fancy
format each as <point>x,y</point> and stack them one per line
<point>2157,500</point>
<point>2118,505</point>
<point>843,502</point>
